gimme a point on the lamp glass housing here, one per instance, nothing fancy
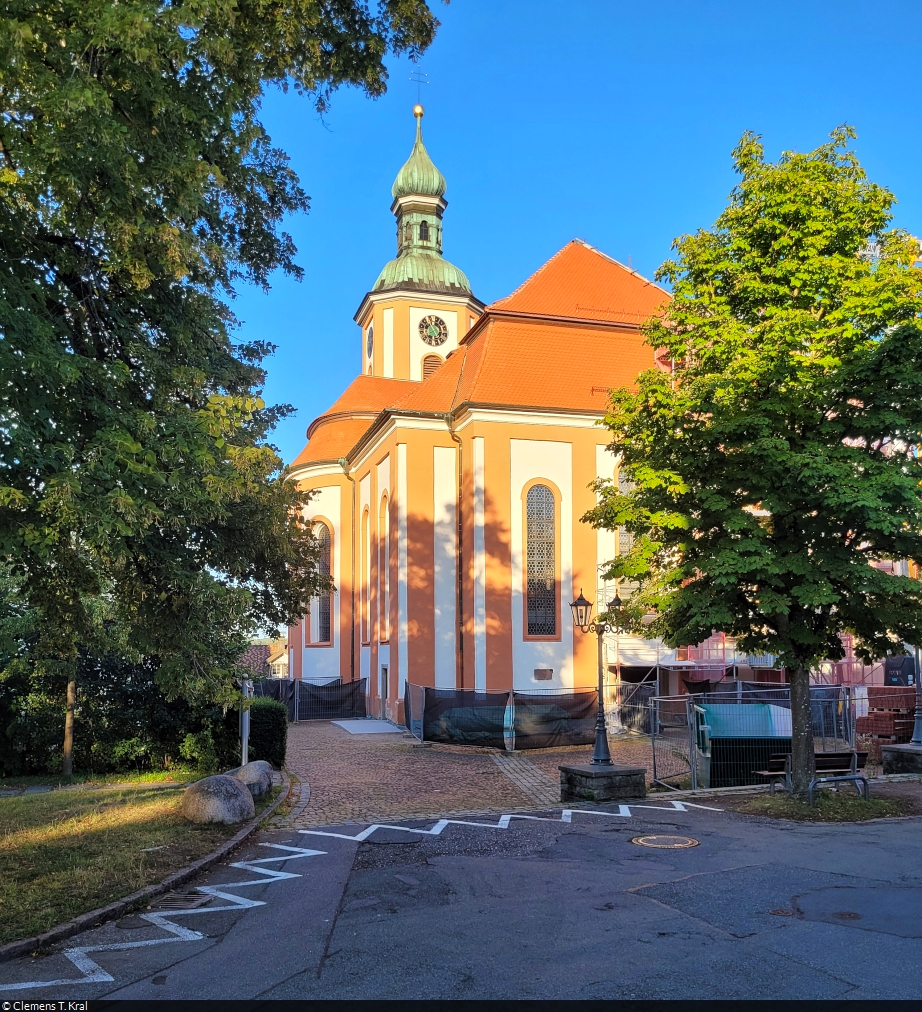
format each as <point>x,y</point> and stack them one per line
<point>582,610</point>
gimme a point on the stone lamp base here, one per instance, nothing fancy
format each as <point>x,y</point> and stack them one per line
<point>602,783</point>
<point>902,758</point>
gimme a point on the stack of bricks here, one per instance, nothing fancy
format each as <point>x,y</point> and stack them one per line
<point>890,713</point>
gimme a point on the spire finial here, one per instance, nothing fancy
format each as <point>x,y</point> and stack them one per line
<point>418,111</point>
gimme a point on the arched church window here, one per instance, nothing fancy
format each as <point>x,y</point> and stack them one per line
<point>624,539</point>
<point>325,544</point>
<point>541,561</point>
<point>430,364</point>
<point>424,231</point>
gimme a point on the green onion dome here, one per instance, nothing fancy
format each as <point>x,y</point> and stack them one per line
<point>419,176</point>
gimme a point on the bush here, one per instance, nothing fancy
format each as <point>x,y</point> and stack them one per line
<point>122,722</point>
<point>268,731</point>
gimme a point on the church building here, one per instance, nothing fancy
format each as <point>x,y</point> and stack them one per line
<point>451,475</point>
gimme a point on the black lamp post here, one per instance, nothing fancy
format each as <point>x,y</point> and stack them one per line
<point>582,616</point>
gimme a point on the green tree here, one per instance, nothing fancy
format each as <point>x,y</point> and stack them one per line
<point>779,458</point>
<point>137,188</point>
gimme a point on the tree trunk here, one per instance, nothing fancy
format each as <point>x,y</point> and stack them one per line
<point>802,763</point>
<point>69,728</point>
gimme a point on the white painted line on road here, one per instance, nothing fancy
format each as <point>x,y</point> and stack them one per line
<point>624,812</point>
<point>93,973</point>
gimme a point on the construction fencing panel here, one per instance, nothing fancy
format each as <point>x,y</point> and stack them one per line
<point>724,737</point>
<point>671,726</point>
<point>336,700</point>
<point>463,716</point>
<point>282,689</point>
<point>553,720</point>
<point>627,706</point>
<point>413,708</point>
<point>502,720</point>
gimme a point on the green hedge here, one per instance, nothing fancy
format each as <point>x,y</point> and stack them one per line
<point>268,731</point>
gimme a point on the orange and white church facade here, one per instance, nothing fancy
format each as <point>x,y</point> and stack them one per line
<point>450,477</point>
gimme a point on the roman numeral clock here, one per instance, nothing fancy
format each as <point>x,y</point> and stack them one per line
<point>433,330</point>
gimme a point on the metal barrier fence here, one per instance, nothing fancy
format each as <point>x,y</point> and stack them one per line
<point>332,700</point>
<point>548,718</point>
<point>724,737</point>
<point>627,707</point>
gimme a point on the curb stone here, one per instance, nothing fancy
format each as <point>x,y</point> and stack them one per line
<point>83,922</point>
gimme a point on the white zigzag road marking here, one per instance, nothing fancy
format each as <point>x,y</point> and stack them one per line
<point>93,973</point>
<point>624,812</point>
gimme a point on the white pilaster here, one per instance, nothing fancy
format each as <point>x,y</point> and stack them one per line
<point>480,588</point>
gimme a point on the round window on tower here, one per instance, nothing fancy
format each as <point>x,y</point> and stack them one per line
<point>433,330</point>
<point>370,342</point>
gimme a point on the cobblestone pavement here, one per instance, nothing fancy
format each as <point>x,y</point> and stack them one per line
<point>369,777</point>
<point>340,777</point>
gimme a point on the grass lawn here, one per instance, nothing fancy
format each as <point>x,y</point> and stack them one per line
<point>839,807</point>
<point>56,780</point>
<point>67,852</point>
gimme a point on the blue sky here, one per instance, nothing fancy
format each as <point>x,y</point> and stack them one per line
<point>605,121</point>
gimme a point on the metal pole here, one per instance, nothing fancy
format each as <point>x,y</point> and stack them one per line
<point>653,734</point>
<point>601,756</point>
<point>692,751</point>
<point>917,727</point>
<point>245,725</point>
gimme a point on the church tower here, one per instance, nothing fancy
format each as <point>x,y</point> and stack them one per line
<point>421,306</point>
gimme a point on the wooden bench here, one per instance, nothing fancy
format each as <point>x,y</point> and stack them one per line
<point>831,767</point>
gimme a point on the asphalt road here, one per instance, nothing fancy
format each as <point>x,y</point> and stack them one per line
<point>540,909</point>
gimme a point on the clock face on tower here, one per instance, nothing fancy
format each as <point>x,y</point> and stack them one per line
<point>433,330</point>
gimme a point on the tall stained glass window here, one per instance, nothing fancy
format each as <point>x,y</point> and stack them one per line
<point>541,561</point>
<point>324,629</point>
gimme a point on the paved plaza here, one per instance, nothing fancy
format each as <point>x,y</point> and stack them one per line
<point>369,777</point>
<point>546,904</point>
<point>404,872</point>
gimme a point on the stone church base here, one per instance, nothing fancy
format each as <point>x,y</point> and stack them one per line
<point>902,758</point>
<point>602,783</point>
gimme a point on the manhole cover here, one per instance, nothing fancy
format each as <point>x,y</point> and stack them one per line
<point>665,842</point>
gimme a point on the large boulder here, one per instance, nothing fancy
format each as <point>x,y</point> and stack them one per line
<point>218,799</point>
<point>256,775</point>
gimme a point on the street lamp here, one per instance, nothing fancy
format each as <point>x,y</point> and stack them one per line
<point>582,616</point>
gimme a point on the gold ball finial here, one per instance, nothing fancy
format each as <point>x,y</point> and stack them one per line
<point>417,110</point>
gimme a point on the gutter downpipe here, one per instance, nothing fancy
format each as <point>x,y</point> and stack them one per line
<point>344,464</point>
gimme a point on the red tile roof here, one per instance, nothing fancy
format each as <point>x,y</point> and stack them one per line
<point>528,363</point>
<point>560,341</point>
<point>369,393</point>
<point>334,433</point>
<point>579,282</point>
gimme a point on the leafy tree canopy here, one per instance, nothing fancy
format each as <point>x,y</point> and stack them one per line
<point>777,459</point>
<point>137,188</point>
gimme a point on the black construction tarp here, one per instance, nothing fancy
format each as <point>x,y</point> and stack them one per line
<point>282,689</point>
<point>464,717</point>
<point>337,701</point>
<point>553,721</point>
